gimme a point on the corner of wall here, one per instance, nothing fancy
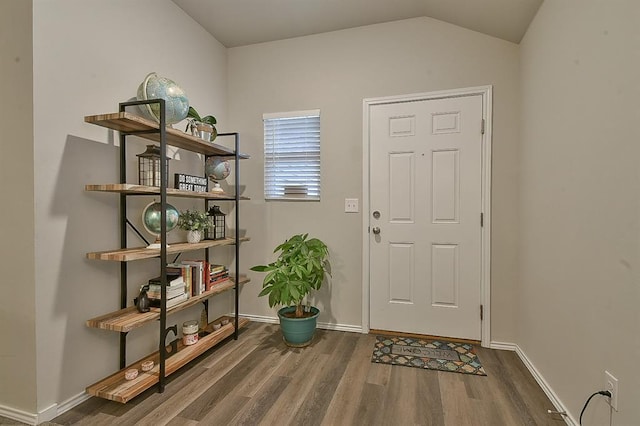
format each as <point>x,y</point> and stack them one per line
<point>17,307</point>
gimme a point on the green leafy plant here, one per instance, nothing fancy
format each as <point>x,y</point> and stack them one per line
<point>195,119</point>
<point>193,220</point>
<point>300,268</point>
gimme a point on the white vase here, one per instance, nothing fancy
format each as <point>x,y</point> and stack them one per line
<point>194,236</point>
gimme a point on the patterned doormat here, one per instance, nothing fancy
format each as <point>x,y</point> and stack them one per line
<point>429,354</point>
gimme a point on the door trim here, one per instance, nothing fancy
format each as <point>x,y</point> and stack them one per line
<point>485,256</point>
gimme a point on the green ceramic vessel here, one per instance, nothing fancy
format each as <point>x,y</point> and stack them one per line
<point>298,332</point>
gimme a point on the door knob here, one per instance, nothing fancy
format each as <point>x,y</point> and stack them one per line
<point>376,230</point>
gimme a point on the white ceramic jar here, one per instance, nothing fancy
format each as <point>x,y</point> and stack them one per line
<point>190,332</point>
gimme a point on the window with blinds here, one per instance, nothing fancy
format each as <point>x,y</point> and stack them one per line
<point>292,155</point>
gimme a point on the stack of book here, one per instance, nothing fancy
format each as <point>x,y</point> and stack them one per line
<point>217,275</point>
<point>176,291</point>
<point>199,275</point>
<point>193,273</point>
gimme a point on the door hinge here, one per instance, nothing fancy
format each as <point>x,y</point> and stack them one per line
<point>481,312</point>
<point>482,127</point>
<point>481,220</point>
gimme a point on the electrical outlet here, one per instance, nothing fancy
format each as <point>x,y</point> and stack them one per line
<point>611,385</point>
<point>351,205</point>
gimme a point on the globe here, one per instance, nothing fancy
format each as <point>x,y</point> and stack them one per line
<point>176,101</point>
<point>217,168</point>
<point>152,220</point>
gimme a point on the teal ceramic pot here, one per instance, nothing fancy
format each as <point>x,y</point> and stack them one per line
<point>298,332</point>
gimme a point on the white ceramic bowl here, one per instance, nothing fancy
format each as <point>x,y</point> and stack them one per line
<point>131,374</point>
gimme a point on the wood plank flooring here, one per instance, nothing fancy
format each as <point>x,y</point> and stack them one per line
<point>257,380</point>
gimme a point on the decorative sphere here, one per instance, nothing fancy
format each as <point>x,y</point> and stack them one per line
<point>152,220</point>
<point>176,101</point>
<point>217,168</point>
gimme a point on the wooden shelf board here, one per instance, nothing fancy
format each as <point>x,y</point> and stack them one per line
<point>139,253</point>
<point>129,318</point>
<point>130,189</point>
<point>117,388</point>
<point>126,122</point>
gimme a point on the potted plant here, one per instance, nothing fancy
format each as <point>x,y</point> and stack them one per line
<point>202,127</point>
<point>195,222</point>
<point>300,268</point>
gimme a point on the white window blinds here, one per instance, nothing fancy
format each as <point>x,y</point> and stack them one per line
<point>292,155</point>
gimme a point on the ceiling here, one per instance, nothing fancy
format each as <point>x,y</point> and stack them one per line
<point>241,22</point>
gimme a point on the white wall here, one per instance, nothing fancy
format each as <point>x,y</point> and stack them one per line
<point>88,56</point>
<point>17,304</point>
<point>579,244</point>
<point>335,72</point>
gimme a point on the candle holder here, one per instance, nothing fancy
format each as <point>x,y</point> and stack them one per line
<point>149,167</point>
<point>217,224</point>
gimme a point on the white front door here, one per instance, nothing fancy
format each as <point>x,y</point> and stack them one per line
<point>425,198</point>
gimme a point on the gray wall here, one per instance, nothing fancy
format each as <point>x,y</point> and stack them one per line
<point>565,179</point>
<point>335,72</point>
<point>88,56</point>
<point>579,243</point>
<point>17,303</point>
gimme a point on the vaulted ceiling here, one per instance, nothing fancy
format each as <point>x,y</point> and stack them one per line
<point>242,22</point>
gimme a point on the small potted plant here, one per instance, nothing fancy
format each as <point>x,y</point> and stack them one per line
<point>202,127</point>
<point>195,222</point>
<point>300,268</point>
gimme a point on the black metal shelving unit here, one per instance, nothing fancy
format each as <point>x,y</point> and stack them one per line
<point>113,387</point>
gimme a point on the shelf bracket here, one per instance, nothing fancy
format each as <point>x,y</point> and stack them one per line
<point>173,345</point>
<point>123,349</point>
<point>138,233</point>
<point>164,353</point>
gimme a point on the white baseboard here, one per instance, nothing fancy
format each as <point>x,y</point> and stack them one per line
<point>503,346</point>
<point>557,403</point>
<point>72,402</point>
<point>18,415</point>
<point>259,318</point>
<point>322,325</point>
<point>48,413</point>
<point>45,415</point>
<point>340,327</point>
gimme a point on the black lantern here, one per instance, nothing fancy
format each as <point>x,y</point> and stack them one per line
<point>149,167</point>
<point>217,224</point>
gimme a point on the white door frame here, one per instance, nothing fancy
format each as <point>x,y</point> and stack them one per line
<point>485,256</point>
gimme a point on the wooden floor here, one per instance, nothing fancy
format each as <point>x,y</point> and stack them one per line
<point>258,380</point>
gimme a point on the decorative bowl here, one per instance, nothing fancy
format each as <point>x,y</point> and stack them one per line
<point>147,365</point>
<point>131,374</point>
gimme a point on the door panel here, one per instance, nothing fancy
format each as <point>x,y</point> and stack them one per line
<point>444,274</point>
<point>445,191</point>
<point>401,187</point>
<point>401,266</point>
<point>425,180</point>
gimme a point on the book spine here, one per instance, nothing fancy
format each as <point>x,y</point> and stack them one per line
<point>196,281</point>
<point>155,304</point>
<point>185,272</point>
<point>158,296</point>
<point>217,282</point>
<point>205,275</point>
<point>219,275</point>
